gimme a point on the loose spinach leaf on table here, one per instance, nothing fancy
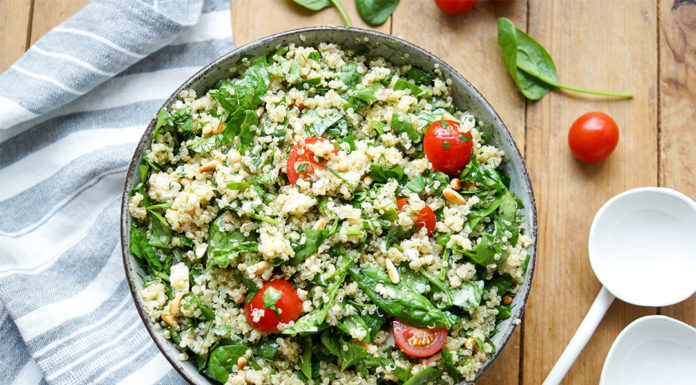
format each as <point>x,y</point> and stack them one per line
<point>531,66</point>
<point>376,12</point>
<point>317,5</point>
<point>408,306</point>
<point>222,359</point>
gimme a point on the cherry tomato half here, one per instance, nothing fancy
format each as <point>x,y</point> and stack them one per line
<point>455,7</point>
<point>593,137</point>
<point>446,148</point>
<point>418,342</point>
<point>288,306</point>
<point>302,157</point>
<point>425,218</point>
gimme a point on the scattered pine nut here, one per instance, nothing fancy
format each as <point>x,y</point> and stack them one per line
<point>241,362</point>
<point>233,156</point>
<point>169,320</point>
<point>391,270</point>
<point>453,197</point>
<point>210,166</point>
<point>456,184</point>
<point>321,223</point>
<point>218,129</point>
<point>261,267</point>
<point>174,306</point>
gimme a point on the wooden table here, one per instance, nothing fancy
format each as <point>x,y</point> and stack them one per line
<point>645,46</point>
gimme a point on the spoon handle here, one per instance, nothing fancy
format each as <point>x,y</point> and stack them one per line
<point>582,335</point>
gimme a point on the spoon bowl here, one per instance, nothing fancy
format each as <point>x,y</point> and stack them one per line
<point>652,350</point>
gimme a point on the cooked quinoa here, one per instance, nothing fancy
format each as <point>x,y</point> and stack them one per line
<point>216,217</point>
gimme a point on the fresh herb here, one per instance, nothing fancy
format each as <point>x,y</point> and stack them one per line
<point>238,185</point>
<point>464,138</point>
<point>270,298</point>
<point>416,185</point>
<point>222,359</point>
<point>395,235</point>
<point>531,66</point>
<point>420,76</point>
<point>317,5</point>
<point>376,12</point>
<point>401,122</point>
<point>382,174</point>
<point>424,377</point>
<point>445,146</point>
<point>504,312</point>
<point>320,125</point>
<point>408,306</point>
<point>245,93</point>
<point>225,246</point>
<point>203,145</point>
<point>313,239</point>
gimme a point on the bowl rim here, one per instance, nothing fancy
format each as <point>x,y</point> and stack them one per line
<point>517,312</point>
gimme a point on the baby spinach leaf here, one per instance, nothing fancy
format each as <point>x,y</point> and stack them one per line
<point>251,286</point>
<point>531,66</point>
<point>395,235</point>
<point>382,174</point>
<point>141,248</point>
<point>407,305</point>
<point>331,342</point>
<point>401,122</point>
<point>468,295</point>
<point>314,5</point>
<point>163,118</point>
<point>420,76</point>
<point>222,359</point>
<point>203,145</point>
<point>450,366</point>
<point>416,185</point>
<point>306,358</point>
<point>374,322</point>
<point>376,12</point>
<point>504,312</point>
<point>294,72</point>
<point>484,252</point>
<point>268,349</point>
<point>424,377</point>
<point>321,124</point>
<point>350,75</point>
<point>417,282</point>
<point>354,322</point>
<point>416,91</point>
<point>225,246</point>
<point>313,239</point>
<point>161,233</point>
<point>205,311</point>
<point>246,93</point>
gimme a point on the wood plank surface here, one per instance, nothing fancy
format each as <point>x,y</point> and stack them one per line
<point>253,19</point>
<point>678,112</point>
<point>469,43</point>
<point>50,13</point>
<point>596,44</point>
<point>15,26</point>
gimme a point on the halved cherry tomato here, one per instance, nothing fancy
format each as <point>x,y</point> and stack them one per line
<point>593,137</point>
<point>425,218</point>
<point>446,148</point>
<point>302,157</point>
<point>288,306</point>
<point>418,342</point>
<point>455,7</point>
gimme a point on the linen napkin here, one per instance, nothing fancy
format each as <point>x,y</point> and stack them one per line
<point>71,111</point>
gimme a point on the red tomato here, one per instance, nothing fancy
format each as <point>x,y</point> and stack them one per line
<point>455,7</point>
<point>446,148</point>
<point>302,155</point>
<point>593,137</point>
<point>418,342</point>
<point>289,305</point>
<point>425,218</point>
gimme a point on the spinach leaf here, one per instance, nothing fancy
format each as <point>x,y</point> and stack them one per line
<point>141,248</point>
<point>501,282</point>
<point>161,233</point>
<point>374,322</point>
<point>416,91</point>
<point>222,359</point>
<point>316,5</point>
<point>294,72</point>
<point>311,322</point>
<point>407,305</point>
<point>246,93</point>
<point>468,295</point>
<point>424,377</point>
<point>268,349</point>
<point>504,312</point>
<point>225,246</point>
<point>238,185</point>
<point>354,322</point>
<point>331,342</point>
<point>382,174</point>
<point>484,252</point>
<point>203,145</point>
<point>205,311</point>
<point>162,119</point>
<point>306,358</point>
<point>419,76</point>
<point>320,125</point>
<point>437,182</point>
<point>401,122</point>
<point>313,239</point>
<point>417,282</point>
<point>395,235</point>
<point>450,366</point>
<point>350,75</point>
<point>251,286</point>
<point>426,118</point>
<point>531,66</point>
<point>416,185</point>
<point>376,12</point>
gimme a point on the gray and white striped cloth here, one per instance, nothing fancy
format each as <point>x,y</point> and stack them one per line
<point>71,111</point>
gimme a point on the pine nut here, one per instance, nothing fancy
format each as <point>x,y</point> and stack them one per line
<point>218,129</point>
<point>210,166</point>
<point>169,320</point>
<point>241,363</point>
<point>233,156</point>
<point>456,184</point>
<point>321,223</point>
<point>174,306</point>
<point>391,270</point>
<point>261,267</point>
<point>453,197</point>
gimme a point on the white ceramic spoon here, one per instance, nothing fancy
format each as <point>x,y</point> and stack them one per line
<point>642,248</point>
<point>652,350</point>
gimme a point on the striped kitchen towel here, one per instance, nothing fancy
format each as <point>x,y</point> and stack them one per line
<point>71,111</point>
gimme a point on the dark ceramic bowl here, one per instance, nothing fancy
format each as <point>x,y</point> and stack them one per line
<point>397,51</point>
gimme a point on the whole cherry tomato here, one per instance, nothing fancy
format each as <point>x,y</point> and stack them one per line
<point>455,7</point>
<point>302,162</point>
<point>418,342</point>
<point>425,218</point>
<point>276,302</point>
<point>593,137</point>
<point>446,148</point>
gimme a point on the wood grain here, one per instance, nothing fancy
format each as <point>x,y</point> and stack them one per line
<point>469,44</point>
<point>602,45</point>
<point>50,13</point>
<point>678,112</point>
<point>14,29</point>
<point>253,19</point>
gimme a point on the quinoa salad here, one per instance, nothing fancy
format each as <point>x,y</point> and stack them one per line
<point>325,217</point>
